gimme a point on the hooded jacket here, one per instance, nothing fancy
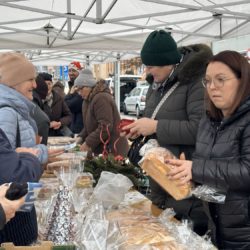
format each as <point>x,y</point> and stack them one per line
<point>222,161</point>
<point>178,120</point>
<point>101,118</point>
<point>15,110</point>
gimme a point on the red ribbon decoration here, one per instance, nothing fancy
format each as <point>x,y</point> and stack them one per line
<point>105,143</point>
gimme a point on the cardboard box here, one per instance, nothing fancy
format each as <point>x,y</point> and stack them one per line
<point>45,245</point>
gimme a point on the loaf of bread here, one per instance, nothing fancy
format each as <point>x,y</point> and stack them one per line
<point>158,170</point>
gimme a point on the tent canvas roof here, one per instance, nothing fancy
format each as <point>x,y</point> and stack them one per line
<point>59,31</point>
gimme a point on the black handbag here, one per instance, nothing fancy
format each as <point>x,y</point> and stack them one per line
<point>134,151</point>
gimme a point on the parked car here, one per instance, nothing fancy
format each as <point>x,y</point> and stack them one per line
<point>127,83</point>
<point>135,101</point>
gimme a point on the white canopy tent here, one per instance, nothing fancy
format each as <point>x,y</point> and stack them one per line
<point>95,31</point>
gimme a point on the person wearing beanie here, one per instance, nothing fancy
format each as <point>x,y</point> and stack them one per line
<point>56,109</point>
<point>17,82</point>
<point>101,117</point>
<point>176,122</point>
<point>74,100</point>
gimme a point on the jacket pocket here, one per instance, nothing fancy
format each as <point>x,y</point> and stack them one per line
<point>234,213</point>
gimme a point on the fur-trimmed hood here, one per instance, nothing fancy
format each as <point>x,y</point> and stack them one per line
<point>100,87</point>
<point>194,62</point>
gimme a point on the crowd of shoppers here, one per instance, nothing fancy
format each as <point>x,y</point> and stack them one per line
<point>213,137</point>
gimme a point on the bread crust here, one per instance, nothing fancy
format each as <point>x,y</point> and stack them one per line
<point>158,170</point>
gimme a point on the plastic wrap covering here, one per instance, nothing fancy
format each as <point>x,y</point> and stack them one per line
<point>183,233</point>
<point>111,189</point>
<point>140,229</point>
<point>153,163</point>
<point>97,232</point>
<point>209,194</point>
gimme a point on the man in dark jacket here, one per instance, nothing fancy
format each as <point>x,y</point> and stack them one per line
<point>74,100</point>
<point>176,123</point>
<point>56,109</point>
<point>41,118</point>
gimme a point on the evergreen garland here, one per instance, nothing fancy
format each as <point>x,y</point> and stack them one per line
<point>98,164</point>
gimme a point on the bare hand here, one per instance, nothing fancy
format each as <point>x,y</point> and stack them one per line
<point>9,207</point>
<point>33,151</point>
<point>55,125</point>
<point>55,152</point>
<point>182,170</point>
<point>85,147</point>
<point>143,126</point>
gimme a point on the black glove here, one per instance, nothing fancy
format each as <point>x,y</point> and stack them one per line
<point>16,190</point>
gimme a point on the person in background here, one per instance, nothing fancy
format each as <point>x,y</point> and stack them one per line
<point>56,109</point>
<point>17,81</point>
<point>40,117</point>
<point>8,208</point>
<point>73,71</point>
<point>74,99</point>
<point>222,153</point>
<point>101,117</point>
<point>59,88</point>
<point>176,123</point>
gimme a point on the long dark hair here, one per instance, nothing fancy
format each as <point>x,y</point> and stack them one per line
<point>241,69</point>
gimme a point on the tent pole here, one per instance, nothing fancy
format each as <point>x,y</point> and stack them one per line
<point>69,26</point>
<point>117,82</point>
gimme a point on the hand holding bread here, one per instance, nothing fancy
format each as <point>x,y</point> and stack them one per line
<point>155,166</point>
<point>182,172</point>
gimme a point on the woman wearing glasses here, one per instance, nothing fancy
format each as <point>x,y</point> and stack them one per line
<point>222,156</point>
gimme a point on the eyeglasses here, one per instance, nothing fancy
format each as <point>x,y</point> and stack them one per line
<point>218,81</point>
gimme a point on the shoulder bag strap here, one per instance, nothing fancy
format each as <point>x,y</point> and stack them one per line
<point>18,137</point>
<point>165,97</point>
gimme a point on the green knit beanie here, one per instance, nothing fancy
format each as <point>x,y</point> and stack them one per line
<point>160,49</point>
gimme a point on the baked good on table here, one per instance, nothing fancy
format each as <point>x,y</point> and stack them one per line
<point>155,167</point>
<point>140,229</point>
<point>84,181</point>
<point>48,174</point>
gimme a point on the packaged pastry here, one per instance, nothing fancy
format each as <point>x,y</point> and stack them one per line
<point>84,181</point>
<point>153,164</point>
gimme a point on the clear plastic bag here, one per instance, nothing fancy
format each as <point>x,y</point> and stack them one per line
<point>111,189</point>
<point>209,194</point>
<point>152,153</point>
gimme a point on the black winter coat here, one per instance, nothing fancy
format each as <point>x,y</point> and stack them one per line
<point>58,111</point>
<point>222,160</point>
<point>18,167</point>
<point>178,121</point>
<point>75,102</point>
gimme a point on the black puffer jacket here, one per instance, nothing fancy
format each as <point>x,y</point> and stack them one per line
<point>178,121</point>
<point>222,160</point>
